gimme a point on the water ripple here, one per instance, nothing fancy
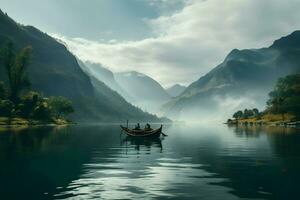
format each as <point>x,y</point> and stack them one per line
<point>137,175</point>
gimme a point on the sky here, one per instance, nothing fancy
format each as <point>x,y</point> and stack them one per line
<point>173,41</point>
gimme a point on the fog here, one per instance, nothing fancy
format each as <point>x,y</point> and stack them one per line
<point>217,108</point>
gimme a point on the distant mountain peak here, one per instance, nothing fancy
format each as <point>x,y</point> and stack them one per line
<point>146,91</point>
<point>134,73</point>
<point>177,85</point>
<point>175,90</point>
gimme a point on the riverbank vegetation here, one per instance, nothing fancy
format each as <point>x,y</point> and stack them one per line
<point>283,106</point>
<point>19,105</point>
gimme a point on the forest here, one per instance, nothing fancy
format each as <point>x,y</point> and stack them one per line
<point>19,104</point>
<point>283,105</point>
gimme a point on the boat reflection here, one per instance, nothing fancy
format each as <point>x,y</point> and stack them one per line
<point>138,142</point>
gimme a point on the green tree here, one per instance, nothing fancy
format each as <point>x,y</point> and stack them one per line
<point>28,103</point>
<point>285,98</point>
<point>2,91</point>
<point>238,114</point>
<point>6,108</point>
<point>247,113</point>
<point>255,112</point>
<point>42,111</point>
<point>16,65</point>
<point>60,106</point>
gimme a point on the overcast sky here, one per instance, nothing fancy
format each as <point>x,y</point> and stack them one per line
<point>173,41</point>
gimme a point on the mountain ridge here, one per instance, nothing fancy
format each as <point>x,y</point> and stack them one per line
<point>243,73</point>
<point>54,71</point>
<point>146,92</point>
<point>175,90</point>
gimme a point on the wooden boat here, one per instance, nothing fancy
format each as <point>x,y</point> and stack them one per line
<point>142,132</point>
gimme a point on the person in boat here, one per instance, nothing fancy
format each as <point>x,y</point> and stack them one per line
<point>147,127</point>
<point>137,127</point>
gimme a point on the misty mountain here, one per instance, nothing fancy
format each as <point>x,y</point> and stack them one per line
<point>136,88</point>
<point>54,71</point>
<point>145,91</point>
<point>106,76</point>
<point>242,80</point>
<point>175,90</point>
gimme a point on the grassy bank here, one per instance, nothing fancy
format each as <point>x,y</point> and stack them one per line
<point>267,119</point>
<point>6,122</point>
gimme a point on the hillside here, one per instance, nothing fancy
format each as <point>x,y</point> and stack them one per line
<point>145,91</point>
<point>55,71</point>
<point>243,79</point>
<point>106,76</point>
<point>175,90</point>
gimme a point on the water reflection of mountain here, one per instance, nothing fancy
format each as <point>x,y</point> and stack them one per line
<point>252,161</point>
<point>196,163</point>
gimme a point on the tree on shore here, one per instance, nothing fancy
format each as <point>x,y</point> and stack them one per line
<point>60,106</point>
<point>15,66</point>
<point>285,98</point>
<point>247,113</point>
<point>17,100</point>
<point>238,115</point>
<point>2,91</point>
<point>255,112</point>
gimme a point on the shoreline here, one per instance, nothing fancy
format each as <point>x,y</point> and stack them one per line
<point>8,123</point>
<point>17,122</point>
<point>251,122</point>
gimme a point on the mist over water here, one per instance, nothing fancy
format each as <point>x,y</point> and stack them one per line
<point>220,108</point>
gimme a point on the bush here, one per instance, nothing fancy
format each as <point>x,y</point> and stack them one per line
<point>28,103</point>
<point>42,111</point>
<point>60,106</point>
<point>2,91</point>
<point>6,108</point>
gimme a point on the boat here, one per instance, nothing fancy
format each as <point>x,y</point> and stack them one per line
<point>142,132</point>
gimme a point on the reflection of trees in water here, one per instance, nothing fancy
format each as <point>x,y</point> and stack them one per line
<point>246,131</point>
<point>287,143</point>
<point>248,163</point>
<point>38,160</point>
<point>255,131</point>
<point>277,173</point>
<point>26,140</point>
<point>33,161</point>
<point>286,149</point>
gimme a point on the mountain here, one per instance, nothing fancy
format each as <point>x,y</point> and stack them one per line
<point>243,79</point>
<point>145,91</point>
<point>139,96</point>
<point>54,71</point>
<point>106,76</point>
<point>175,90</point>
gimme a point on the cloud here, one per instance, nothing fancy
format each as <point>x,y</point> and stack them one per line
<point>189,42</point>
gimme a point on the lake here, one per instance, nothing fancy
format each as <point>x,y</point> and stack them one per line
<point>193,162</point>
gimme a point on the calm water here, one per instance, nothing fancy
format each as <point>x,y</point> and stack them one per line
<point>193,162</point>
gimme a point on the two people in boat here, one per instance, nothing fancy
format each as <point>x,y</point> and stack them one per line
<point>138,127</point>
